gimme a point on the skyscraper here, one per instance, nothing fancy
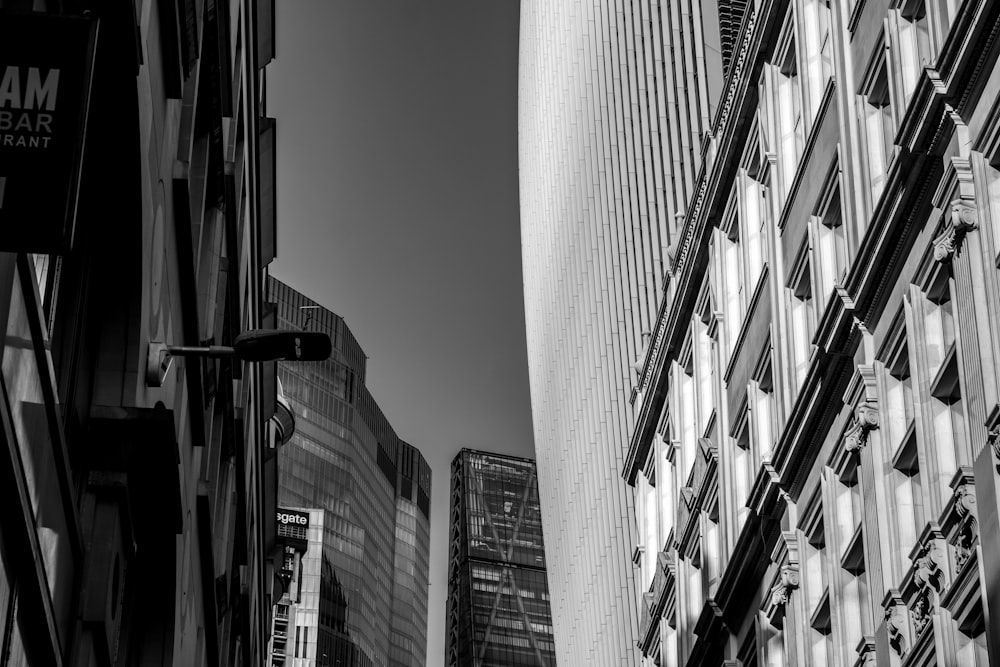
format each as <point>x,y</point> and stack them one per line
<point>814,446</point>
<point>611,120</point>
<point>498,603</point>
<point>363,599</point>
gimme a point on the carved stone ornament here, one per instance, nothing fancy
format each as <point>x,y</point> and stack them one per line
<point>783,587</point>
<point>965,542</point>
<point>964,218</point>
<point>944,246</point>
<point>866,419</point>
<point>920,612</point>
<point>965,538</point>
<point>895,623</point>
<point>929,567</point>
<point>965,500</point>
<point>993,438</point>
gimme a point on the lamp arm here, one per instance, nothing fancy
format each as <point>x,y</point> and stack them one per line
<point>211,351</point>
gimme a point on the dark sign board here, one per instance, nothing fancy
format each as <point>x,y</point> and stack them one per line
<point>46,63</point>
<point>293,518</point>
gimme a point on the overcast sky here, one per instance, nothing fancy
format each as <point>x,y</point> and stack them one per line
<point>398,210</point>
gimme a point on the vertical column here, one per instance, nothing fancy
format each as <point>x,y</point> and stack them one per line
<point>968,248</point>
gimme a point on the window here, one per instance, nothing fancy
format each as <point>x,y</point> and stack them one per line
<point>686,400</point>
<point>914,42</point>
<point>729,260</point>
<point>26,376</point>
<point>754,217</point>
<point>940,352</point>
<point>877,125</point>
<point>646,516</point>
<point>855,604</point>
<point>819,642</point>
<point>711,549</point>
<point>742,463</point>
<point>899,434</point>
<point>666,494</point>
<point>787,102</point>
<point>704,364</point>
<point>818,51</point>
<point>829,238</point>
<point>763,412</point>
<point>801,313</point>
<point>970,640</point>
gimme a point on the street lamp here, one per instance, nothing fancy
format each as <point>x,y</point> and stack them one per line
<point>255,345</point>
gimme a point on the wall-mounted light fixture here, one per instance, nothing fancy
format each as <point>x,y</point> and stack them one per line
<point>255,345</point>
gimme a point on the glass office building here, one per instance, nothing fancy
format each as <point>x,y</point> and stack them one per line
<point>498,596</point>
<point>368,593</point>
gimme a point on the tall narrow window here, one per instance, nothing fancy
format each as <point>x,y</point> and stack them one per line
<point>761,390</point>
<point>731,267</point>
<point>816,589</point>
<point>829,238</point>
<point>704,368</point>
<point>743,469</point>
<point>900,436</point>
<point>818,50</point>
<point>686,399</point>
<point>914,42</point>
<point>754,219</point>
<point>788,103</point>
<point>801,313</point>
<point>947,414</point>
<point>855,604</point>
<point>877,125</point>
<point>711,548</point>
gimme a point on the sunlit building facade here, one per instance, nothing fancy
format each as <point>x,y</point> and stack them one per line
<point>813,432</point>
<point>498,611</point>
<point>611,120</point>
<point>815,457</point>
<point>364,583</point>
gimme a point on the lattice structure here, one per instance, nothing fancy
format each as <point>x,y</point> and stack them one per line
<point>498,606</point>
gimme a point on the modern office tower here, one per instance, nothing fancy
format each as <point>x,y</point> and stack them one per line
<point>498,602</point>
<point>363,598</point>
<point>611,122</point>
<point>138,493</point>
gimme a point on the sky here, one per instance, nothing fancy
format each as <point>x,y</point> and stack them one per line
<point>397,200</point>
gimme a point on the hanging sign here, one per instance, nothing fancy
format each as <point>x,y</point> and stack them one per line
<point>46,62</point>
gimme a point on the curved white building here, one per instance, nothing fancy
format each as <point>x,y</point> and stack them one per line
<point>609,148</point>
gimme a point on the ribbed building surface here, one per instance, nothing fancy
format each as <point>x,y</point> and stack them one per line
<point>498,598</point>
<point>610,124</point>
<point>364,600</point>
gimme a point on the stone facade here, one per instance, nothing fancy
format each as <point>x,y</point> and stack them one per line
<point>826,356</point>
